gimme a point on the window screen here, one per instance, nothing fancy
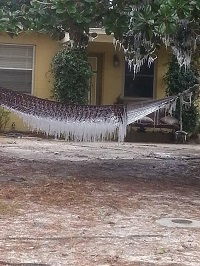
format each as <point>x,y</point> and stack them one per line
<point>16,67</point>
<point>142,85</point>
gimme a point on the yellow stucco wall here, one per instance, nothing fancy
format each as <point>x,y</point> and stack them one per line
<point>45,49</point>
<point>112,77</point>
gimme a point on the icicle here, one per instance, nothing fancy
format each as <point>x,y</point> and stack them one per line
<point>181,112</point>
<point>130,64</point>
<point>154,120</point>
<point>151,60</point>
<point>115,43</point>
<point>170,111</point>
<point>188,103</point>
<point>166,41</point>
<point>158,115</point>
<point>174,105</point>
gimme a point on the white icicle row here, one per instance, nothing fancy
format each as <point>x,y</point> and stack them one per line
<point>97,130</point>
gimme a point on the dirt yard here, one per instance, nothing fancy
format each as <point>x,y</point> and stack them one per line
<point>96,204</point>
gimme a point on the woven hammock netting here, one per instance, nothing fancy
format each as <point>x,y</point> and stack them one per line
<point>76,122</point>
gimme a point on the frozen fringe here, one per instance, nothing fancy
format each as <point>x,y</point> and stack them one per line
<point>73,122</point>
<point>84,123</point>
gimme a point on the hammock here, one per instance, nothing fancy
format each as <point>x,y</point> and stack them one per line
<point>76,122</point>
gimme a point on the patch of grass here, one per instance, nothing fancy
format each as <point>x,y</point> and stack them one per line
<point>8,208</point>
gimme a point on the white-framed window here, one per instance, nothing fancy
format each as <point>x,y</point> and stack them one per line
<point>142,85</point>
<point>16,67</point>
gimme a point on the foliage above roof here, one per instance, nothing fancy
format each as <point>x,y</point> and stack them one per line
<point>139,26</point>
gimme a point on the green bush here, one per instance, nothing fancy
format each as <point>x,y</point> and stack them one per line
<point>177,80</point>
<point>4,118</point>
<point>71,74</point>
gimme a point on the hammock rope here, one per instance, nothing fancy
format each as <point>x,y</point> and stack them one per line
<point>78,122</point>
<point>81,123</point>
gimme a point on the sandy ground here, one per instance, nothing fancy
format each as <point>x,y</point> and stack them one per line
<point>96,204</point>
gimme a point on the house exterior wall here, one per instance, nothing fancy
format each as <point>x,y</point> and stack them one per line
<point>112,77</point>
<point>45,49</point>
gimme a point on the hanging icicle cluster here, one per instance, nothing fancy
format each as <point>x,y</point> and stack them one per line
<point>138,25</point>
<point>137,46</point>
<point>184,43</point>
<point>145,35</point>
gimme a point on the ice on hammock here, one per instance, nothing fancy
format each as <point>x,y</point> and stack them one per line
<point>78,122</point>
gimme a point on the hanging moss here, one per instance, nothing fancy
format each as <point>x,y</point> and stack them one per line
<point>177,80</point>
<point>71,72</point>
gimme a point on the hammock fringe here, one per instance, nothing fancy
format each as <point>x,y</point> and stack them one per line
<point>82,122</point>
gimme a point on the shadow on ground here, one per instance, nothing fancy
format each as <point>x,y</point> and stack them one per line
<point>2,263</point>
<point>132,264</point>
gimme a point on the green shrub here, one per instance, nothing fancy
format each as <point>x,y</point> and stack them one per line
<point>71,73</point>
<point>177,80</point>
<point>4,118</point>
